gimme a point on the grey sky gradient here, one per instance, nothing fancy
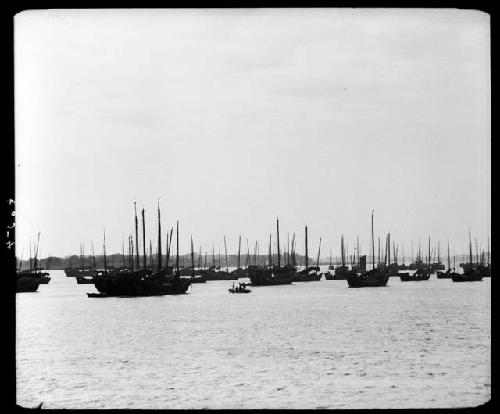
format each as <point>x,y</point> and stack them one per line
<point>234,117</point>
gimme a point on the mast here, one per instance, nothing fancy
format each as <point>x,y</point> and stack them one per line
<point>270,255</point>
<point>357,247</point>
<point>177,253</point>
<point>192,257</point>
<point>278,240</point>
<point>104,250</point>
<point>123,251</point>
<point>239,250</point>
<point>93,255</point>
<point>373,245</point>
<point>136,237</point>
<point>35,260</point>
<point>307,253</point>
<point>342,254</point>
<point>225,252</point>
<point>388,249</point>
<point>144,240</point>
<point>159,238</point>
<point>319,249</point>
<point>429,251</point>
<point>448,252</point>
<point>294,259</point>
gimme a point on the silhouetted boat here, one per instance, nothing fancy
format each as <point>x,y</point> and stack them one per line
<point>341,272</point>
<point>26,284</point>
<point>371,278</point>
<point>309,273</point>
<point>420,274</point>
<point>272,275</point>
<point>471,273</point>
<point>448,274</point>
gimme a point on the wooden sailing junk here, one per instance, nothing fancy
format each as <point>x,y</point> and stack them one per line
<point>272,275</point>
<point>372,278</point>
<point>309,273</point>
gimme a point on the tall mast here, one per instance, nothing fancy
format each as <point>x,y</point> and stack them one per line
<point>477,252</point>
<point>429,250</point>
<point>93,255</point>
<point>449,253</point>
<point>104,250</point>
<point>123,251</point>
<point>319,249</point>
<point>357,247</point>
<point>225,252</point>
<point>177,252</point>
<point>388,249</point>
<point>278,241</point>
<point>307,253</point>
<point>159,238</point>
<point>270,254</point>
<point>373,245</point>
<point>294,259</point>
<point>136,237</point>
<point>239,250</point>
<point>342,254</point>
<point>192,257</point>
<point>144,239</point>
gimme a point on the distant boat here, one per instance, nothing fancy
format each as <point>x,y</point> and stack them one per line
<point>372,278</point>
<point>29,279</point>
<point>448,274</point>
<point>342,271</point>
<point>420,274</point>
<point>272,275</point>
<point>471,273</point>
<point>309,273</point>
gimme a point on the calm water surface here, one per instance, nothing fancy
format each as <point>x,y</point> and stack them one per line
<point>306,345</point>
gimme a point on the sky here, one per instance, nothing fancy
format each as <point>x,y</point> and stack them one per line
<point>232,118</point>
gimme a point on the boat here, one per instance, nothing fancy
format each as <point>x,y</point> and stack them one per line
<point>309,273</point>
<point>34,272</point>
<point>420,274</point>
<point>448,273</point>
<point>141,282</point>
<point>471,273</point>
<point>371,278</point>
<point>26,284</point>
<point>272,275</point>
<point>242,288</point>
<point>341,272</point>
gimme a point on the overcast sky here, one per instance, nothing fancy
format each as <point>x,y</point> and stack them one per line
<point>234,117</point>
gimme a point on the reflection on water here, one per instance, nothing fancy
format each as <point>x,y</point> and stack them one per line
<point>306,345</point>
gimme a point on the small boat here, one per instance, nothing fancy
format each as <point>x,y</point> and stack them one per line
<point>242,288</point>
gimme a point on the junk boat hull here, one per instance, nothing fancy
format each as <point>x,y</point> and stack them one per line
<point>372,278</point>
<point>268,277</point>
<point>26,284</point>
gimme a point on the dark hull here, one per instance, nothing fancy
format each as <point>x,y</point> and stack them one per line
<point>139,284</point>
<point>197,279</point>
<point>372,278</point>
<point>26,284</point>
<point>239,273</point>
<point>79,272</point>
<point>84,280</point>
<point>238,291</point>
<point>409,278</point>
<point>271,277</point>
<point>443,275</point>
<point>211,275</point>
<point>304,277</point>
<point>467,277</point>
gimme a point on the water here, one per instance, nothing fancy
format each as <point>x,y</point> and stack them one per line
<point>306,345</point>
